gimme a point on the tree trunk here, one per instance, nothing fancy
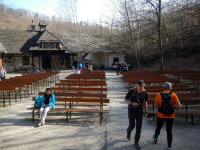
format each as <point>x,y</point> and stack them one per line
<point>160,37</point>
<point>131,37</point>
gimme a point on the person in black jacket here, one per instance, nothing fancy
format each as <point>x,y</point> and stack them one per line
<point>136,98</point>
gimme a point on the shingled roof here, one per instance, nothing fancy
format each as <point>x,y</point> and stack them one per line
<point>2,48</point>
<point>14,40</point>
<point>48,36</point>
<point>23,41</point>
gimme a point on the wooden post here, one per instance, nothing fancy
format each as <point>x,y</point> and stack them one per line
<point>33,63</point>
<point>39,61</point>
<point>9,97</point>
<point>4,101</point>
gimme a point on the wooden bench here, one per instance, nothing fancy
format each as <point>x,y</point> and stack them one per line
<point>192,114</point>
<point>24,86</point>
<point>81,83</point>
<point>78,91</point>
<point>68,107</point>
<point>186,102</point>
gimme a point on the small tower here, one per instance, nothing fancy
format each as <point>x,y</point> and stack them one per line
<point>42,24</point>
<point>33,26</point>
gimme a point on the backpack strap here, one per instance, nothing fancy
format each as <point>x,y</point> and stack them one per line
<point>135,90</point>
<point>161,94</point>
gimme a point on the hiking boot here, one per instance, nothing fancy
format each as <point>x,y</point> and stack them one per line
<point>137,146</point>
<point>128,136</point>
<point>41,124</point>
<point>155,139</point>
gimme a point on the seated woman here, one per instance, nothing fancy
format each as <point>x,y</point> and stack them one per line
<point>90,67</point>
<point>2,73</point>
<point>47,102</point>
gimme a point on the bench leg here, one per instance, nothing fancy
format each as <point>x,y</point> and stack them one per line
<point>20,94</point>
<point>67,116</point>
<point>70,113</point>
<point>29,91</point>
<point>186,109</point>
<point>15,96</point>
<point>153,116</point>
<point>101,117</point>
<point>4,101</point>
<point>38,113</point>
<point>33,115</point>
<point>9,97</point>
<point>192,119</point>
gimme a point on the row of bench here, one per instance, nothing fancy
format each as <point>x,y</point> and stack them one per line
<point>83,93</point>
<point>191,75</point>
<point>148,76</point>
<point>23,86</point>
<point>188,95</point>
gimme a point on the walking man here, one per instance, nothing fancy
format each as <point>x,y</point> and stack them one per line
<point>136,99</point>
<point>166,103</point>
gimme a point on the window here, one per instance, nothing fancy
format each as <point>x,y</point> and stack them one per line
<point>25,60</point>
<point>57,45</point>
<point>49,45</point>
<point>9,59</point>
<point>41,45</point>
<point>116,59</point>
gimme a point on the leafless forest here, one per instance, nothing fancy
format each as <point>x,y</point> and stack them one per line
<point>150,31</point>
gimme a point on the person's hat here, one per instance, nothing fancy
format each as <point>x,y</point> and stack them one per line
<point>141,82</point>
<point>167,85</point>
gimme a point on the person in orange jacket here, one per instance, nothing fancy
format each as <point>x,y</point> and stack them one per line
<point>166,102</point>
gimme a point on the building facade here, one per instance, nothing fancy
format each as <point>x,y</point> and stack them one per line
<point>106,58</point>
<point>34,49</point>
<point>43,50</point>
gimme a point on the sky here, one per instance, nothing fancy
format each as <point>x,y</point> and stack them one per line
<point>88,10</point>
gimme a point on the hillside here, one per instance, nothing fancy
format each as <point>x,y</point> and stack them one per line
<point>181,36</point>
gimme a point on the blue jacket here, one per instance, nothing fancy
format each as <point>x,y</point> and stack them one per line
<point>40,101</point>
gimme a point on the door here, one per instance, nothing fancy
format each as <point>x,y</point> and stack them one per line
<point>46,61</point>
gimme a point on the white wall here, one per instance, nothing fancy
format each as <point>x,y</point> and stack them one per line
<point>104,58</point>
<point>36,60</point>
<point>111,56</point>
<point>18,62</point>
<point>98,58</point>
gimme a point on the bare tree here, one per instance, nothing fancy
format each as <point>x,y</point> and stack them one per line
<point>156,5</point>
<point>68,10</point>
<point>130,21</point>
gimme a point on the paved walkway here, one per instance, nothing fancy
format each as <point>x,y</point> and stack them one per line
<point>186,137</point>
<point>18,132</point>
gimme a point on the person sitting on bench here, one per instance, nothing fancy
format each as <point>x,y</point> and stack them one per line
<point>2,73</point>
<point>47,103</point>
